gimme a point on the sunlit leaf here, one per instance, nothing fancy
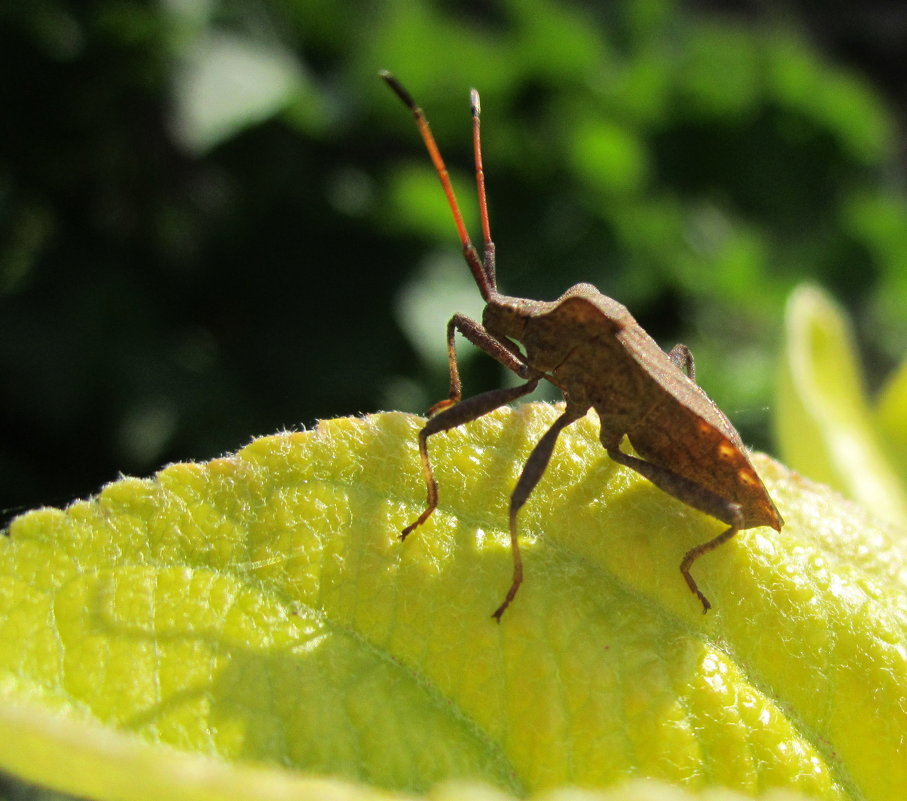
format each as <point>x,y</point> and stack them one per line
<point>892,418</point>
<point>825,427</point>
<point>261,608</point>
<point>226,83</point>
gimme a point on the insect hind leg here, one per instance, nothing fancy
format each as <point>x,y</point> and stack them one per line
<point>694,553</point>
<point>694,495</point>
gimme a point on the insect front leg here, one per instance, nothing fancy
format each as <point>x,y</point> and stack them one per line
<point>529,477</point>
<point>479,337</point>
<point>692,494</point>
<point>682,356</point>
<point>463,412</point>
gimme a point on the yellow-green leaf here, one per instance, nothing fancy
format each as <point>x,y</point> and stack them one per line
<point>108,764</point>
<point>260,609</point>
<point>824,423</point>
<point>892,419</point>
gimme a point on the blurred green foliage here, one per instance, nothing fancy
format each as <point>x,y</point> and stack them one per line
<point>216,222</point>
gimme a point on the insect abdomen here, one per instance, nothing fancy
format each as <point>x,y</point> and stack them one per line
<point>680,440</point>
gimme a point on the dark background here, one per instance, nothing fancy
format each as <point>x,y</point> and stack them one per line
<point>216,222</point>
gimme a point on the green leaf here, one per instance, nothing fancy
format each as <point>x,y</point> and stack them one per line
<point>260,609</point>
<point>891,416</point>
<point>117,765</point>
<point>227,83</point>
<point>825,426</point>
<point>609,157</point>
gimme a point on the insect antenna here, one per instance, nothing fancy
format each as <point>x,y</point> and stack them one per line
<point>488,260</point>
<point>482,270</point>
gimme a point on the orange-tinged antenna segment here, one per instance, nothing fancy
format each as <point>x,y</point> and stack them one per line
<point>485,281</point>
<point>480,171</point>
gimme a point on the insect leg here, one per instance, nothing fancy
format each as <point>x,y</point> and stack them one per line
<point>532,472</point>
<point>463,412</point>
<point>479,337</point>
<point>682,356</point>
<point>694,495</point>
<point>694,553</point>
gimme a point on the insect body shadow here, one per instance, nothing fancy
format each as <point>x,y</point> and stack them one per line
<point>591,348</point>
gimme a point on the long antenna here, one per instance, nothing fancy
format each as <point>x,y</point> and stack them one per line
<point>483,275</point>
<point>488,261</point>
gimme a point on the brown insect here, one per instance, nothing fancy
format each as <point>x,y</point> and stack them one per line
<point>592,349</point>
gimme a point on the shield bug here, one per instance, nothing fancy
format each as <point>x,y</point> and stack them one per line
<point>592,349</point>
